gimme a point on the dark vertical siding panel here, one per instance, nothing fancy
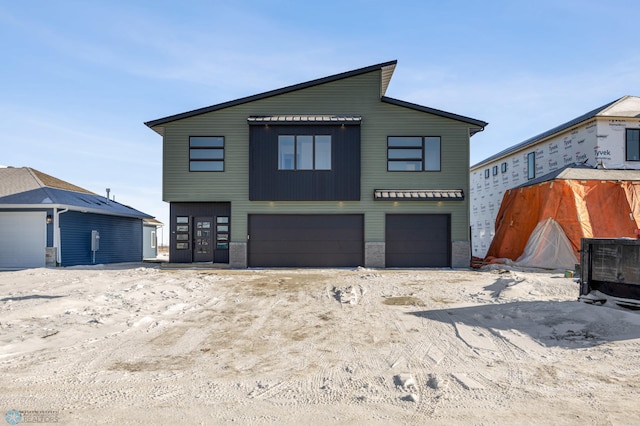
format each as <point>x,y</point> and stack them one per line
<point>341,183</point>
<point>120,238</point>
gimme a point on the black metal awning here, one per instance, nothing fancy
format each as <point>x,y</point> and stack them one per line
<point>418,194</point>
<point>304,119</point>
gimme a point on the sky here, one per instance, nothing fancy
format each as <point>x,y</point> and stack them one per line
<point>79,78</point>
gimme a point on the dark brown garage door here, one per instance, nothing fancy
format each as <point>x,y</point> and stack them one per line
<point>306,240</point>
<point>418,240</point>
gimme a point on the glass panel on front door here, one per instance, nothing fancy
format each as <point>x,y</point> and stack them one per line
<point>203,237</point>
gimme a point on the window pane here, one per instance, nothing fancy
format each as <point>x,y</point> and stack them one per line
<point>286,152</point>
<point>432,154</point>
<point>206,141</point>
<point>531,165</point>
<point>323,152</point>
<point>212,154</point>
<point>411,154</point>
<point>406,166</point>
<point>633,144</point>
<point>206,166</point>
<point>408,141</point>
<point>304,152</point>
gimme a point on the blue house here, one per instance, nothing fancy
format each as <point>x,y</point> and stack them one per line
<point>45,221</point>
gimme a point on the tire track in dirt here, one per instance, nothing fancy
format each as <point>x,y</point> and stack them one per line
<point>451,379</point>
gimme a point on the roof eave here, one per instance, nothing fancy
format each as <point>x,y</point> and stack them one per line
<point>541,137</point>
<point>478,125</point>
<point>72,208</point>
<point>387,68</point>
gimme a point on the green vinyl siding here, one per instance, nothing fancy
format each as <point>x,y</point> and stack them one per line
<point>358,95</point>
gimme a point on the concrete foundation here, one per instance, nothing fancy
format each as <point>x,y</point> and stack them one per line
<point>374,255</point>
<point>460,254</point>
<point>50,257</point>
<point>237,255</point>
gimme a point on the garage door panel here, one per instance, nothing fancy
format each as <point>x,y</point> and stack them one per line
<point>326,247</point>
<point>426,236</point>
<point>306,240</point>
<point>418,240</point>
<point>311,234</point>
<point>23,239</point>
<point>283,260</point>
<point>415,248</point>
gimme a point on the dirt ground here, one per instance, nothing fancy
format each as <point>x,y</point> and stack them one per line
<point>145,344</point>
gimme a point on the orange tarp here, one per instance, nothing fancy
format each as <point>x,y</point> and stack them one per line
<point>584,209</point>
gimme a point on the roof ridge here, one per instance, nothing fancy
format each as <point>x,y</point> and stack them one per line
<point>33,175</point>
<point>48,181</point>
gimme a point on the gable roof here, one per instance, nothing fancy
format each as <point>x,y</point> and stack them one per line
<point>25,187</point>
<point>626,106</point>
<point>386,69</point>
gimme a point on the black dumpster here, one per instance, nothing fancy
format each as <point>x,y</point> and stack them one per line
<point>610,269</point>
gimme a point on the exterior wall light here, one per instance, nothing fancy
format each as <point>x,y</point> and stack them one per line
<point>49,219</point>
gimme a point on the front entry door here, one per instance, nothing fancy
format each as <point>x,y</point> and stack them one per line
<point>203,239</point>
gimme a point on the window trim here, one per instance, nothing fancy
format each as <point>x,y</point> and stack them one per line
<point>213,159</point>
<point>423,155</point>
<point>626,144</point>
<point>314,152</point>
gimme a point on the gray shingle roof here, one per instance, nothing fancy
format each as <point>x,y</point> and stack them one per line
<point>25,186</point>
<point>577,171</point>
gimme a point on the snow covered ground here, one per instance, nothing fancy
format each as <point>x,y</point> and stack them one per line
<point>145,344</point>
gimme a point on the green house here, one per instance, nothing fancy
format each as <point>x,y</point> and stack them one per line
<point>327,173</point>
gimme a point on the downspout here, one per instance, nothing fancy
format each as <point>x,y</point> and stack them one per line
<point>56,233</point>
